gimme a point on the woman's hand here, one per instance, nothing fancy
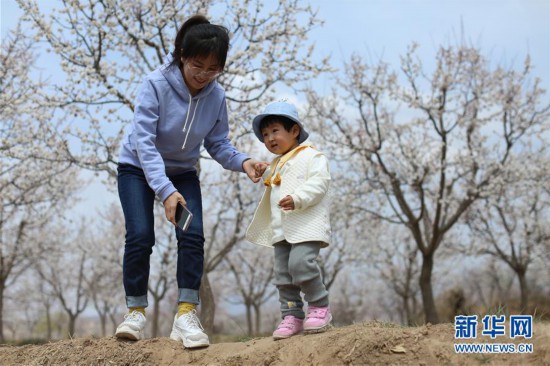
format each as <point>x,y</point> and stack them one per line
<point>254,169</point>
<point>170,205</point>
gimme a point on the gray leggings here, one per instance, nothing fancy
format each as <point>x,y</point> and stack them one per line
<point>296,270</point>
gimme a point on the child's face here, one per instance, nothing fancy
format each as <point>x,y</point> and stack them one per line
<point>278,140</point>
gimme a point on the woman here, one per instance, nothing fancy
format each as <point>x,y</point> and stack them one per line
<point>179,107</point>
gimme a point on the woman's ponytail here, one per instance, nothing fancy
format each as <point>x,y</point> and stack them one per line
<point>198,37</point>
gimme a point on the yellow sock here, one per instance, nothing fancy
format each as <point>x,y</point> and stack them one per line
<point>138,309</point>
<point>185,307</point>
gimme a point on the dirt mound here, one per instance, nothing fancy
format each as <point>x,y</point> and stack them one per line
<point>360,344</point>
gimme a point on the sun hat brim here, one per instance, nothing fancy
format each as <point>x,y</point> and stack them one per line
<point>279,109</point>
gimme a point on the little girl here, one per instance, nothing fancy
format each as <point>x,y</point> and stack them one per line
<point>293,218</point>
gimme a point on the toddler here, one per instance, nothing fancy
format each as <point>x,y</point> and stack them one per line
<point>293,218</point>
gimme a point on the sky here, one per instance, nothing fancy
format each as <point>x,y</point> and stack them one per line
<point>507,30</point>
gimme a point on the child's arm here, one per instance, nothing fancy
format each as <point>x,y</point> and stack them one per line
<point>314,189</point>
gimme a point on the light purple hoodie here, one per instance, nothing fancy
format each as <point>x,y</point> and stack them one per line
<point>170,125</point>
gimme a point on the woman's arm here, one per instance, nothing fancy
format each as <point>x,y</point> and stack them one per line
<point>219,146</point>
<point>146,117</point>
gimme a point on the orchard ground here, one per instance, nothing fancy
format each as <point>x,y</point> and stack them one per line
<point>370,343</point>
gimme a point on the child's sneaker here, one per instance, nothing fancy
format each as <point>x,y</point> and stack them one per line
<point>317,319</point>
<point>289,326</point>
<point>132,327</point>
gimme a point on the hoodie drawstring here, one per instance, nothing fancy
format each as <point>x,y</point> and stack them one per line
<point>192,119</point>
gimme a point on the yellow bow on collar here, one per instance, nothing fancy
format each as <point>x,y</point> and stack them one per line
<point>279,162</point>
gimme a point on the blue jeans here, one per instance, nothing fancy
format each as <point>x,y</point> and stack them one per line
<point>137,200</point>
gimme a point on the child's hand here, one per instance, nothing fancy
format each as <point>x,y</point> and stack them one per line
<point>287,203</point>
<point>260,168</point>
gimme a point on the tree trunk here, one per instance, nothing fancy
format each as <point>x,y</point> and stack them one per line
<point>414,307</point>
<point>103,321</point>
<point>114,323</point>
<point>49,326</point>
<point>72,324</point>
<point>430,311</point>
<point>2,288</point>
<point>249,319</point>
<point>258,311</point>
<point>524,291</point>
<point>208,305</point>
<point>408,318</point>
<point>156,315</point>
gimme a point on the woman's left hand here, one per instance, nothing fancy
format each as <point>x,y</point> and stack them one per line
<point>254,169</point>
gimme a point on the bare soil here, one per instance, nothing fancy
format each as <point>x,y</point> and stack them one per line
<point>371,343</point>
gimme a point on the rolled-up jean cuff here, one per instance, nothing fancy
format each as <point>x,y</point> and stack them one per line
<point>189,295</point>
<point>136,301</point>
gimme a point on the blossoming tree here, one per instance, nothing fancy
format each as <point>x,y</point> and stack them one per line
<point>424,146</point>
<point>35,184</point>
<point>106,47</point>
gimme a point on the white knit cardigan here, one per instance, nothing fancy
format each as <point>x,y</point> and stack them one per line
<point>310,222</point>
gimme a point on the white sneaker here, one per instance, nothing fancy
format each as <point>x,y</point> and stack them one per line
<point>132,327</point>
<point>188,329</point>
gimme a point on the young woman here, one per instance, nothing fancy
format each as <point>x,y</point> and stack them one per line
<point>179,107</point>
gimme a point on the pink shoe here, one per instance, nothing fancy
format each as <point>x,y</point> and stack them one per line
<point>289,326</point>
<point>317,319</point>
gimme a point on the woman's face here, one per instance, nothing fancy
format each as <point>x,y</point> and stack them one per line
<point>199,71</point>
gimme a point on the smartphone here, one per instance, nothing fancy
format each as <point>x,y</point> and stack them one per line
<point>183,216</point>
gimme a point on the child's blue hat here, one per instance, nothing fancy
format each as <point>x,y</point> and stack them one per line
<point>279,109</point>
